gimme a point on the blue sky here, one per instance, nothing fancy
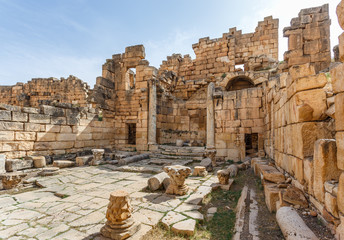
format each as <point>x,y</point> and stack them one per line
<point>58,38</point>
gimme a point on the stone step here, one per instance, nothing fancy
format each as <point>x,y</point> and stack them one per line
<point>164,162</point>
<point>182,149</point>
<point>171,157</point>
<point>182,154</point>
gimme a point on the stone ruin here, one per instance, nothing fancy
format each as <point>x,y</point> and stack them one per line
<point>235,99</point>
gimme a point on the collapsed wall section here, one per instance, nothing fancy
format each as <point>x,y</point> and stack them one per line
<point>45,90</point>
<point>309,38</point>
<point>53,130</point>
<point>132,76</point>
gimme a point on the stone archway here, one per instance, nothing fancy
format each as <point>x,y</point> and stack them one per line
<point>239,82</point>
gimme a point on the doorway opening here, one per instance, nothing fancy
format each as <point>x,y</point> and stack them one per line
<point>251,143</point>
<point>131,133</point>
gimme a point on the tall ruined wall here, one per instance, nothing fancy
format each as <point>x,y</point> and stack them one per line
<point>338,90</point>
<point>237,114</point>
<point>50,130</point>
<point>131,75</point>
<point>40,90</point>
<point>214,57</point>
<point>179,119</point>
<point>309,38</point>
<point>303,112</point>
<point>183,115</point>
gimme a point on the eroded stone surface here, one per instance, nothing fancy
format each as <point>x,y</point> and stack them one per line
<point>120,223</point>
<point>177,174</point>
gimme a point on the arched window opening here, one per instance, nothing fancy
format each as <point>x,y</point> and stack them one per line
<point>238,83</point>
<point>130,78</point>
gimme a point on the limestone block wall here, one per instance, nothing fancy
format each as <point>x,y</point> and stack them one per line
<point>309,38</point>
<point>131,75</point>
<point>214,57</point>
<point>337,204</point>
<point>300,134</point>
<point>181,119</point>
<point>53,130</point>
<point>238,113</point>
<point>40,90</point>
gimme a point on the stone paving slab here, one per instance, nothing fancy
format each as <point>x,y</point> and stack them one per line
<point>73,204</point>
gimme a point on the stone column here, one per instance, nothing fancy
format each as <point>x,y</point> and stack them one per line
<point>152,113</point>
<point>120,224</point>
<point>211,151</point>
<point>210,117</point>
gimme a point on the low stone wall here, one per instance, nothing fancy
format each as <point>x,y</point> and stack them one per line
<point>53,130</point>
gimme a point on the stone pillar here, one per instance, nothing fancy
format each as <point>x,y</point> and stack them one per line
<point>152,114</point>
<point>120,224</point>
<point>178,174</point>
<point>210,117</point>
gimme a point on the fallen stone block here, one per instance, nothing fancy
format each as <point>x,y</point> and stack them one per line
<point>200,171</point>
<point>11,180</point>
<point>12,165</point>
<point>83,160</point>
<point>63,163</point>
<point>272,174</point>
<point>292,225</point>
<point>271,192</point>
<point>206,162</point>
<point>255,162</point>
<point>295,196</point>
<point>158,181</point>
<point>186,227</point>
<point>133,159</point>
<point>38,161</point>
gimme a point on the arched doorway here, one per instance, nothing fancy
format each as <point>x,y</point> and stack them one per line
<point>238,83</point>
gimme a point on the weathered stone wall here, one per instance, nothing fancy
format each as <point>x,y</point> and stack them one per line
<point>301,118</point>
<point>43,90</point>
<point>309,38</point>
<point>237,113</point>
<point>333,204</point>
<point>131,95</point>
<point>50,130</point>
<point>179,119</point>
<point>214,57</point>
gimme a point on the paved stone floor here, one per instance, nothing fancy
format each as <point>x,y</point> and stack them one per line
<point>72,205</point>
